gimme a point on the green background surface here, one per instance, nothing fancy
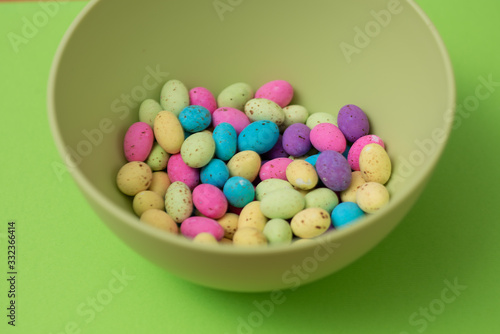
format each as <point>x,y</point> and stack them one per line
<point>67,258</point>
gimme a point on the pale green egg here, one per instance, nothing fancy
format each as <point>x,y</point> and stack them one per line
<point>235,96</point>
<point>179,201</point>
<point>323,198</point>
<point>157,158</point>
<point>198,149</point>
<point>282,203</point>
<point>278,231</point>
<point>148,110</point>
<point>174,96</point>
<point>264,109</point>
<point>295,114</point>
<point>320,117</point>
<point>270,185</point>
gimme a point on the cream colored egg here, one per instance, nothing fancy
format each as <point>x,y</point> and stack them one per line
<point>229,223</point>
<point>349,195</point>
<point>245,164</point>
<point>168,132</point>
<point>251,216</point>
<point>375,164</point>
<point>226,241</point>
<point>159,219</point>
<point>372,196</point>
<point>249,236</point>
<point>147,200</point>
<point>160,183</point>
<point>205,238</point>
<point>310,223</point>
<point>134,177</point>
<point>302,175</point>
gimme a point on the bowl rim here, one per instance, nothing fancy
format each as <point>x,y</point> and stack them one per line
<point>330,236</point>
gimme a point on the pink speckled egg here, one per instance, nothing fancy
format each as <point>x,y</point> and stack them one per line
<point>201,96</point>
<point>328,137</point>
<point>177,170</point>
<point>235,117</point>
<point>138,142</point>
<point>193,226</point>
<point>275,169</point>
<point>278,91</point>
<point>357,147</point>
<point>210,201</point>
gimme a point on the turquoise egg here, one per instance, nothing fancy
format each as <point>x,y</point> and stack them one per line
<point>346,213</point>
<point>195,118</point>
<point>215,173</point>
<point>226,140</point>
<point>259,136</point>
<point>239,191</point>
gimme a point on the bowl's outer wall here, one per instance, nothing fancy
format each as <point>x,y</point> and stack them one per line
<point>400,76</point>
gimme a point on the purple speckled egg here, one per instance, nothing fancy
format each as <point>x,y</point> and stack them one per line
<point>296,141</point>
<point>333,170</point>
<point>353,123</point>
<point>277,151</point>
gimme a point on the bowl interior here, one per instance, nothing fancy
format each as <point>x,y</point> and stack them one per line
<point>381,55</point>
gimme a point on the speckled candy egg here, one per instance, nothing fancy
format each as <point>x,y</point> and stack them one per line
<point>275,169</point>
<point>279,91</point>
<point>239,191</point>
<point>295,114</point>
<point>147,200</point>
<point>264,109</point>
<point>282,203</point>
<point>349,195</point>
<point>249,237</point>
<point>326,136</point>
<point>235,96</point>
<point>372,196</point>
<point>177,170</point>
<point>159,219</point>
<point>245,164</point>
<point>229,223</point>
<point>195,118</point>
<point>345,214</point>
<point>278,231</point>
<point>357,146</point>
<point>312,159</point>
<point>179,201</point>
<point>148,110</point>
<point>157,158</point>
<point>174,96</point>
<point>235,117</point>
<point>251,216</point>
<point>168,131</point>
<point>310,223</point>
<point>323,198</point>
<point>226,141</point>
<point>302,175</point>
<point>296,139</point>
<point>260,136</point>
<point>198,149</point>
<point>193,226</point>
<point>375,164</point>
<point>215,173</point>
<point>353,122</point>
<point>210,201</point>
<point>320,117</point>
<point>267,186</point>
<point>201,96</point>
<point>138,142</point>
<point>134,177</point>
<point>160,183</point>
<point>333,170</point>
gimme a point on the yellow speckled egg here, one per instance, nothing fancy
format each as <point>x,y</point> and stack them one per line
<point>205,238</point>
<point>249,236</point>
<point>168,132</point>
<point>310,223</point>
<point>229,223</point>
<point>134,177</point>
<point>179,201</point>
<point>160,183</point>
<point>146,200</point>
<point>349,195</point>
<point>245,164</point>
<point>372,196</point>
<point>251,216</point>
<point>159,219</point>
<point>375,164</point>
<point>226,241</point>
<point>302,175</point>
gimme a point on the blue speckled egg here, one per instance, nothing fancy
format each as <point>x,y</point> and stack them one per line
<point>215,173</point>
<point>226,141</point>
<point>195,118</point>
<point>239,191</point>
<point>312,159</point>
<point>346,213</point>
<point>259,136</point>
